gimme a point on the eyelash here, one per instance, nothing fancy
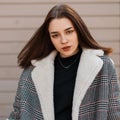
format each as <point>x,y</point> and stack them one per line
<point>70,31</point>
<point>55,36</point>
<point>67,32</point>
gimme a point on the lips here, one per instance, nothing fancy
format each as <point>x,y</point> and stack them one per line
<point>66,48</point>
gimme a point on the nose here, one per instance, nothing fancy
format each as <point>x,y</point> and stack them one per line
<point>63,39</point>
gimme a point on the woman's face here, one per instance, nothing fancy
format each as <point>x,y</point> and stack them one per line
<point>63,36</point>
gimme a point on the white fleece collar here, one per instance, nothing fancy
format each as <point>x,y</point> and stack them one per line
<point>43,78</point>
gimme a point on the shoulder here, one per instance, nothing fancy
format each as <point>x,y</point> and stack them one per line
<point>107,62</point>
<point>108,66</point>
<point>26,83</point>
<point>25,76</point>
<point>106,59</point>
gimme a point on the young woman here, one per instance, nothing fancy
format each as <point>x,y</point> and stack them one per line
<point>67,74</point>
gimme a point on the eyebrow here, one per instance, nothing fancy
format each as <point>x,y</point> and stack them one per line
<point>64,30</point>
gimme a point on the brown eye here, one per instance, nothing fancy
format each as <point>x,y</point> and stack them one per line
<point>69,31</point>
<point>54,36</point>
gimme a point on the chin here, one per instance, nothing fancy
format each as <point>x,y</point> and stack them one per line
<point>67,54</point>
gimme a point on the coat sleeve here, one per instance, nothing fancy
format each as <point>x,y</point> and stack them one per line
<point>15,114</point>
<point>114,94</point>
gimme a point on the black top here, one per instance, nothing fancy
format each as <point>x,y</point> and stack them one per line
<point>64,82</point>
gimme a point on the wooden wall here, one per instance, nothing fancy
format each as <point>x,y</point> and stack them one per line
<point>20,18</point>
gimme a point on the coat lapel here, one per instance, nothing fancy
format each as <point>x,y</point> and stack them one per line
<point>43,78</point>
<point>89,66</point>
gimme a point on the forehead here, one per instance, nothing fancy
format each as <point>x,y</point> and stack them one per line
<point>58,24</point>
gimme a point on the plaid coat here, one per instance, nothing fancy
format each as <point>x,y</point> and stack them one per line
<point>96,93</point>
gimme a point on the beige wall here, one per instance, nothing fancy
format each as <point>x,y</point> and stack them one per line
<point>20,18</point>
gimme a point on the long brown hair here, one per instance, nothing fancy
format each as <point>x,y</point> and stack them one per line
<point>40,44</point>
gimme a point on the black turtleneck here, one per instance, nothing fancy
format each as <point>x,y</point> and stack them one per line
<point>64,82</point>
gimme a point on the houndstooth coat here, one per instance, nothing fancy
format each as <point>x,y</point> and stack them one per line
<point>96,93</point>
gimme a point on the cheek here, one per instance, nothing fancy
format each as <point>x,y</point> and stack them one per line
<point>51,40</point>
<point>54,43</point>
<point>76,40</point>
